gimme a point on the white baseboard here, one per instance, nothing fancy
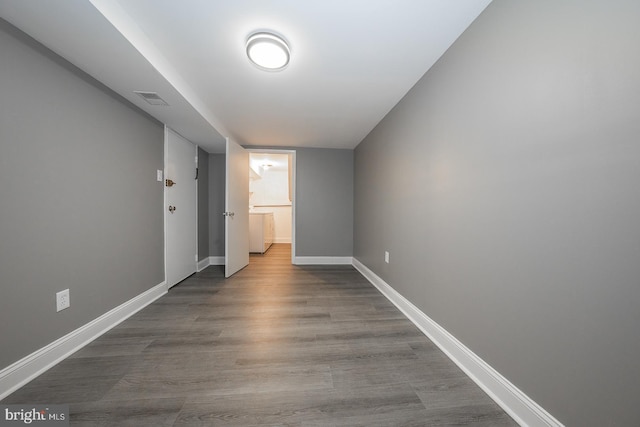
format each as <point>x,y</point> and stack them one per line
<point>212,260</point>
<point>323,260</point>
<point>518,405</point>
<point>26,369</point>
<point>203,263</point>
<point>216,260</point>
<point>282,240</point>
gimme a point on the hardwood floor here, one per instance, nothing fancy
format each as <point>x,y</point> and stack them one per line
<point>275,345</point>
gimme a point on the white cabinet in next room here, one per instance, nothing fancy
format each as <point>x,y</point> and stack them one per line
<point>260,231</point>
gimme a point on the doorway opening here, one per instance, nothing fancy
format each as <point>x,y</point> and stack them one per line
<point>271,199</point>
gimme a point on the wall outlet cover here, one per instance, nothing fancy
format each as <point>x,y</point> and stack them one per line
<point>62,300</point>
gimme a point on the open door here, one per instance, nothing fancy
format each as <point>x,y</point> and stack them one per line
<point>180,208</point>
<point>236,240</point>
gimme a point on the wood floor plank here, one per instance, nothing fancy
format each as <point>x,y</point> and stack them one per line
<point>378,406</point>
<point>224,382</point>
<point>59,390</point>
<point>127,413</point>
<point>274,345</point>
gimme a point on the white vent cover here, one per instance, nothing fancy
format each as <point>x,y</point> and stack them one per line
<point>151,97</point>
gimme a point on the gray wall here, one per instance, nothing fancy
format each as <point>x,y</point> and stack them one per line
<point>203,204</point>
<point>324,202</point>
<point>217,168</point>
<point>81,207</point>
<point>505,186</point>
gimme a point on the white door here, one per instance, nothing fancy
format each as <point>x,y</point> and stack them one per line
<point>236,239</point>
<point>180,208</point>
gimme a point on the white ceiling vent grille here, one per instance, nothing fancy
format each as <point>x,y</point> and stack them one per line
<point>151,97</point>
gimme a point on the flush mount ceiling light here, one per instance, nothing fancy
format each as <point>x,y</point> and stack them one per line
<point>268,51</point>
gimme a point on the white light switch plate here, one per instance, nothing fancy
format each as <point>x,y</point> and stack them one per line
<point>159,175</point>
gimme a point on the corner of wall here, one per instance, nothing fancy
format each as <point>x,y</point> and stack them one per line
<point>30,367</point>
<point>524,410</point>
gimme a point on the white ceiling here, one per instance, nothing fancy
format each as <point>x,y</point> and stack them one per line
<point>279,162</point>
<point>351,60</point>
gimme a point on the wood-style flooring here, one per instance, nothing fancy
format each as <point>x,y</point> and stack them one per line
<point>275,345</point>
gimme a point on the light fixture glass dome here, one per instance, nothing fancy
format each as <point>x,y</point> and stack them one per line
<point>268,51</point>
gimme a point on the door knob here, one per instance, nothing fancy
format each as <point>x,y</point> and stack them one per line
<point>169,183</point>
<point>172,209</point>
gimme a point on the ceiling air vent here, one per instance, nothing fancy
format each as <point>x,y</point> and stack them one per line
<point>151,97</point>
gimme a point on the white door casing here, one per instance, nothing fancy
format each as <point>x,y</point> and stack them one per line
<point>180,208</point>
<point>236,240</point>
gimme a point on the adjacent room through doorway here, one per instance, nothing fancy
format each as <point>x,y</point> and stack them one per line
<point>271,199</point>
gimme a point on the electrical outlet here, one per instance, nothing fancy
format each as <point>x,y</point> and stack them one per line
<point>62,300</point>
<point>386,257</point>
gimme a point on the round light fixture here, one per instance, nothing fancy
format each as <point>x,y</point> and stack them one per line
<point>268,51</point>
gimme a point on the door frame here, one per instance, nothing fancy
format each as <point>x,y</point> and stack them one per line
<point>293,190</point>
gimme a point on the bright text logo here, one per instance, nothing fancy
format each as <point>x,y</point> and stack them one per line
<point>36,415</point>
